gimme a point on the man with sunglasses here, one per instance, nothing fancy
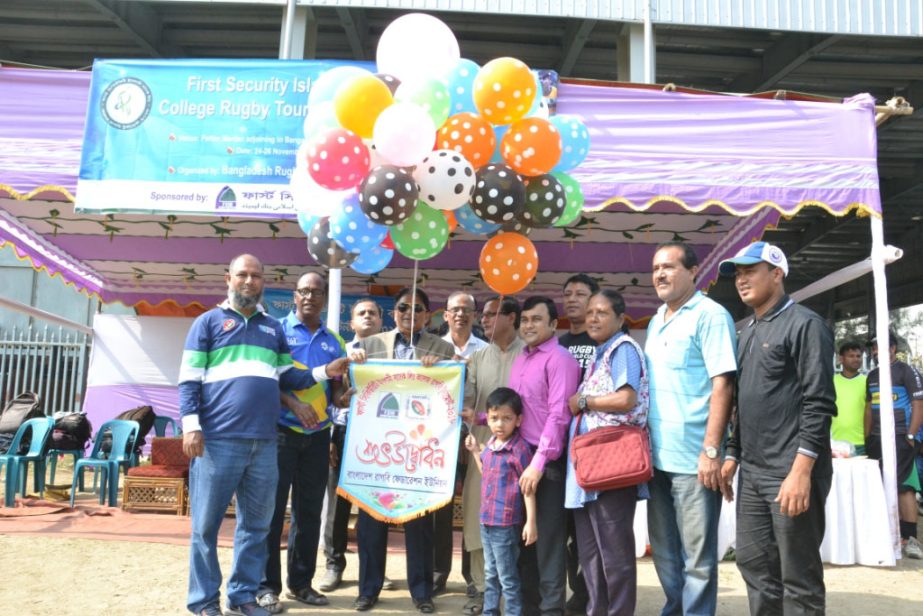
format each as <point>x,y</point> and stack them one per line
<point>303,450</point>
<point>406,341</point>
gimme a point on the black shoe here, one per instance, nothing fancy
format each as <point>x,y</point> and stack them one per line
<point>575,606</point>
<point>424,606</point>
<point>471,591</point>
<point>364,604</point>
<point>308,596</point>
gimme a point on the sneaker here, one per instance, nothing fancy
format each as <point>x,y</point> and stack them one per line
<point>331,581</point>
<point>251,608</point>
<point>388,584</point>
<point>270,602</point>
<point>213,609</point>
<point>912,548</point>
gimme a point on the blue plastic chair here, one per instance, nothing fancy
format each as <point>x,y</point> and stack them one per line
<point>17,465</point>
<point>160,426</point>
<point>124,436</point>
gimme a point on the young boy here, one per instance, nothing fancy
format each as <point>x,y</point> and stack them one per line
<point>502,462</point>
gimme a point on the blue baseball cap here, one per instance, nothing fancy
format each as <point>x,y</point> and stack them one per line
<point>755,253</point>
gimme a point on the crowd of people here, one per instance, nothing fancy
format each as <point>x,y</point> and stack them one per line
<point>756,404</point>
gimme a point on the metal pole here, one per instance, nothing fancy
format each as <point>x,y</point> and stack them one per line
<point>888,452</point>
<point>45,316</point>
<point>288,29</point>
<point>648,44</point>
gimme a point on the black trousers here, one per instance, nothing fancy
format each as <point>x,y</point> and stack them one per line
<point>303,462</point>
<point>372,537</point>
<point>543,565</point>
<point>336,528</point>
<point>779,555</point>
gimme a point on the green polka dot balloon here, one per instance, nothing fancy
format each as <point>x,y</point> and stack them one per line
<point>423,235</point>
<point>430,94</point>
<point>574,206</point>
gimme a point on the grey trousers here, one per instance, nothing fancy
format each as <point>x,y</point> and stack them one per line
<point>779,555</point>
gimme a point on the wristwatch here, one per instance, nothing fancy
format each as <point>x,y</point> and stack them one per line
<point>711,453</point>
<point>581,403</point>
<point>911,439</point>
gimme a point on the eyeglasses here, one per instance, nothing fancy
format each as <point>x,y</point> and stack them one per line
<point>309,292</point>
<point>462,310</point>
<point>404,307</point>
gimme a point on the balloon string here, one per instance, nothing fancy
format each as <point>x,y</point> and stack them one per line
<point>413,312</point>
<point>499,307</point>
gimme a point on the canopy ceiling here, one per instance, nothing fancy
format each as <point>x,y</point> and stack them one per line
<point>712,170</point>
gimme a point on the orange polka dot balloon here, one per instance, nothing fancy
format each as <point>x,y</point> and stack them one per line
<point>470,135</point>
<point>508,263</point>
<point>504,90</point>
<point>531,146</point>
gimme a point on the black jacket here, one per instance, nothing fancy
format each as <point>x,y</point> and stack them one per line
<point>785,393</point>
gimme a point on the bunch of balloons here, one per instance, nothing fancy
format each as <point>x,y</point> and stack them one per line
<point>393,160</point>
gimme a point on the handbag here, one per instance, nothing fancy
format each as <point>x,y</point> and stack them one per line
<point>612,457</point>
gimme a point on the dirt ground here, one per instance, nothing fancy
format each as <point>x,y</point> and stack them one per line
<point>64,576</point>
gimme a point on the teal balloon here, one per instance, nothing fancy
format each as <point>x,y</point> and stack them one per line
<point>325,87</point>
<point>472,223</point>
<point>352,228</point>
<point>499,131</point>
<point>459,81</point>
<point>575,141</point>
<point>372,260</point>
<point>574,206</point>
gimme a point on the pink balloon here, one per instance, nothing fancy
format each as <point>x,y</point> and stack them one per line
<point>404,133</point>
<point>338,159</point>
<point>417,45</point>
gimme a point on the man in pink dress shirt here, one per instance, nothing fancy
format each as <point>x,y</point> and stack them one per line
<point>544,375</point>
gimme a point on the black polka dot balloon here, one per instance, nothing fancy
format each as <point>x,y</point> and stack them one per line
<point>499,193</point>
<point>326,250</point>
<point>388,195</point>
<point>446,180</point>
<point>389,80</point>
<point>515,226</point>
<point>545,201</point>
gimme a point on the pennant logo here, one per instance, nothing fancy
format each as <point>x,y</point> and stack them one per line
<point>229,324</point>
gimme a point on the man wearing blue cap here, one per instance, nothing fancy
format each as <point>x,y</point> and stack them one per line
<point>780,438</point>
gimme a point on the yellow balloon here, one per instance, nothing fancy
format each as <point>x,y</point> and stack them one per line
<point>359,102</point>
<point>504,90</point>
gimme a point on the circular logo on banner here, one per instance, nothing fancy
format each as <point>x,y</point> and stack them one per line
<point>126,103</point>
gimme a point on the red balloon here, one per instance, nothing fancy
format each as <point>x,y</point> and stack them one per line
<point>338,159</point>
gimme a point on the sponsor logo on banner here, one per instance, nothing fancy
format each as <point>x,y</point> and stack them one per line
<point>126,103</point>
<point>402,438</point>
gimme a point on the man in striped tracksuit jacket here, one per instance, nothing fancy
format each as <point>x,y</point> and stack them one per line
<point>234,361</point>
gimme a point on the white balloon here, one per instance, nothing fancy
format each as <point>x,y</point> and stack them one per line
<point>417,45</point>
<point>311,198</point>
<point>404,133</point>
<point>446,180</point>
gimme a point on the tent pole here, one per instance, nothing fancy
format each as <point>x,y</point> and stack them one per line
<point>40,314</point>
<point>335,288</point>
<point>888,451</point>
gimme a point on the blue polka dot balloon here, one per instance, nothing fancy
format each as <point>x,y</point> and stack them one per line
<point>575,141</point>
<point>499,131</point>
<point>472,223</point>
<point>352,228</point>
<point>459,80</point>
<point>372,260</point>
